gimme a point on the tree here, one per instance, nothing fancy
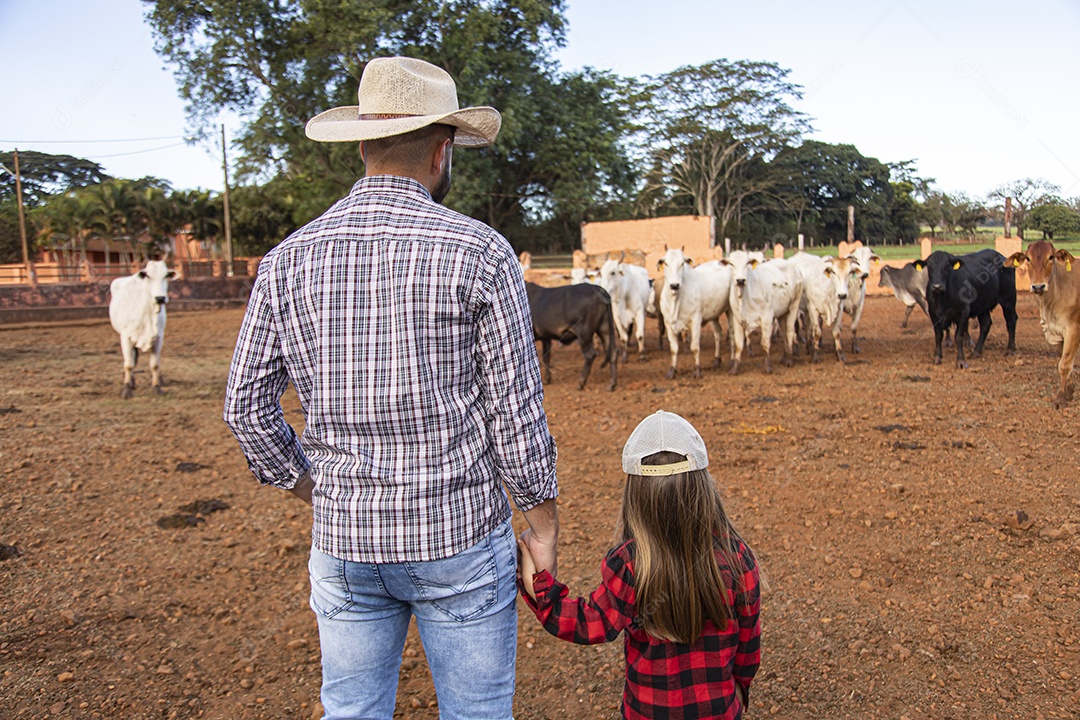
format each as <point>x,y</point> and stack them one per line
<point>43,175</point>
<point>1054,219</point>
<point>1026,194</point>
<point>832,177</point>
<point>278,64</point>
<point>934,211</point>
<point>968,213</point>
<point>904,210</point>
<point>708,126</point>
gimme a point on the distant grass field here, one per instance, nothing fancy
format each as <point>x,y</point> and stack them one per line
<point>984,239</point>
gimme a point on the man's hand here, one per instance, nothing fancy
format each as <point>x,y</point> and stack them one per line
<point>303,487</point>
<point>542,535</point>
<point>542,552</point>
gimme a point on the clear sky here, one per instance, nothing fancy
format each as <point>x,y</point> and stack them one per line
<point>978,94</point>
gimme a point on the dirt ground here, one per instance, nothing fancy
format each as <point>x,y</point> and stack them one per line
<point>919,528</point>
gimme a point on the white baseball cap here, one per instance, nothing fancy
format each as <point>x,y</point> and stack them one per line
<point>664,432</point>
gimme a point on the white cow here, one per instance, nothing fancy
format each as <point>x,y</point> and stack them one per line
<point>690,297</point>
<point>762,293</point>
<point>826,284</point>
<point>137,312</point>
<point>856,298</point>
<point>628,286</point>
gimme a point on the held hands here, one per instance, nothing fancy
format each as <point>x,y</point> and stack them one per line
<point>526,566</point>
<point>542,550</point>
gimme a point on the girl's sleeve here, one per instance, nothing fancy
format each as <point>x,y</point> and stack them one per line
<point>587,621</point>
<point>748,604</point>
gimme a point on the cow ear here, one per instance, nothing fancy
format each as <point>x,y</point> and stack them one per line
<point>1065,257</point>
<point>753,263</point>
<point>142,274</point>
<point>724,261</point>
<point>956,265</point>
<point>171,275</point>
<point>1015,260</point>
<point>876,259</point>
<point>829,270</point>
<point>919,265</point>
<point>660,262</point>
<point>689,261</point>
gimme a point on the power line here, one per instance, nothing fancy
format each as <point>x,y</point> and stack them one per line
<point>122,140</point>
<point>136,152</point>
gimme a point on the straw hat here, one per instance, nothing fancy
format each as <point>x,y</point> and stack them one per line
<point>398,95</point>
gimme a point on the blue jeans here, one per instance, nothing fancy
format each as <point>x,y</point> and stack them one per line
<point>464,608</point>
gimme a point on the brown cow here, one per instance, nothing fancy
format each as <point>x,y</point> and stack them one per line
<point>1058,293</point>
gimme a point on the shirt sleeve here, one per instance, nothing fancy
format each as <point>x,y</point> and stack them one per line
<point>506,353</point>
<point>257,380</point>
<point>600,618</point>
<point>748,605</point>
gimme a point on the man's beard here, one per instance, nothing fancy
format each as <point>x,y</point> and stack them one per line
<point>442,187</point>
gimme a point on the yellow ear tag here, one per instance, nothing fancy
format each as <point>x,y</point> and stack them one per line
<point>956,265</point>
<point>1068,266</point>
<point>1016,263</point>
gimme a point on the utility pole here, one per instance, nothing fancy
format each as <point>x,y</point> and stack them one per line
<point>851,224</point>
<point>228,228</point>
<point>1008,217</point>
<point>22,224</point>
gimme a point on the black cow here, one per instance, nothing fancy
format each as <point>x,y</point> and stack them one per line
<point>569,313</point>
<point>959,288</point>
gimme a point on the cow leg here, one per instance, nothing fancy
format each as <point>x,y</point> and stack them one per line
<point>738,340</point>
<point>984,329</point>
<point>695,344</point>
<point>813,340</point>
<point>155,367</point>
<point>788,330</point>
<point>673,347</point>
<point>662,330</point>
<point>907,314</point>
<point>939,334</point>
<point>962,331</point>
<point>837,343</point>
<point>131,355</point>
<point>923,306</point>
<point>1008,309</point>
<point>545,360</point>
<point>718,337</point>
<point>1065,366</point>
<point>624,338</point>
<point>856,316</point>
<point>588,351</point>
<point>766,342</point>
<point>639,334</point>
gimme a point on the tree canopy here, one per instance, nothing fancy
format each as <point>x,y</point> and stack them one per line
<point>44,174</point>
<point>559,153</point>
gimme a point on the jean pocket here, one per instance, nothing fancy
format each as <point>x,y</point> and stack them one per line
<point>329,590</point>
<point>462,586</point>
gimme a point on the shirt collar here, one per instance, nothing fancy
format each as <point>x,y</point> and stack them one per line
<point>391,184</point>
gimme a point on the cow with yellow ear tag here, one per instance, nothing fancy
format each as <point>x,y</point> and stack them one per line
<point>966,286</point>
<point>1057,290</point>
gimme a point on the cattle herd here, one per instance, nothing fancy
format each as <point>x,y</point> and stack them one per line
<point>795,300</point>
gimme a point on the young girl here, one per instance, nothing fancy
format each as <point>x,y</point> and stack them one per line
<point>682,583</point>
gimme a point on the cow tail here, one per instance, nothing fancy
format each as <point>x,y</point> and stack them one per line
<point>609,345</point>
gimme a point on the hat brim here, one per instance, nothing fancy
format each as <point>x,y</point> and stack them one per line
<point>476,126</point>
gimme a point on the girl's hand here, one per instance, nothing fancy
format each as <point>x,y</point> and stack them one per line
<point>526,567</point>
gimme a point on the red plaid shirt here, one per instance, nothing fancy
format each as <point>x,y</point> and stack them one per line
<point>664,680</point>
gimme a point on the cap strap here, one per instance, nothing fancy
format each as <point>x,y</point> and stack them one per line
<point>672,469</point>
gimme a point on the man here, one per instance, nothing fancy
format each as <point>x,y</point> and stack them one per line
<point>405,329</point>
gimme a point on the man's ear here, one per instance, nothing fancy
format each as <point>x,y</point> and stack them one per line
<point>438,160</point>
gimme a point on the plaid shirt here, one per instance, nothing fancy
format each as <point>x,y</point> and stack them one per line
<point>405,329</point>
<point>664,680</point>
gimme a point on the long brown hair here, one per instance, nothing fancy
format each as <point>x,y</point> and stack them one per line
<point>679,526</point>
